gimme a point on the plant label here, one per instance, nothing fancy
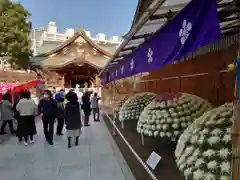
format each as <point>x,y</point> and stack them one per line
<point>153,160</point>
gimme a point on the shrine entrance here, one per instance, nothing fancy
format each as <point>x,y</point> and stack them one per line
<point>78,75</point>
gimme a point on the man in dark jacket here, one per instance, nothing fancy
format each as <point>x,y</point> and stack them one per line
<point>86,107</point>
<point>48,107</point>
<point>60,116</point>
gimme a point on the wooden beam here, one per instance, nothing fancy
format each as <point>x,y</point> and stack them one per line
<point>231,27</point>
<point>171,14</point>
<point>146,36</point>
<point>139,36</point>
<point>129,48</point>
<point>229,33</point>
<point>222,5</point>
<point>229,19</point>
<point>232,9</point>
<point>167,15</point>
<point>120,56</point>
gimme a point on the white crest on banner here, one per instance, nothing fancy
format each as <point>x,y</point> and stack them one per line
<point>112,74</point>
<point>132,64</point>
<point>122,69</point>
<point>185,31</point>
<point>116,73</point>
<point>149,55</point>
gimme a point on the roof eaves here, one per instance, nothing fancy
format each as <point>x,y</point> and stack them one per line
<point>143,19</point>
<point>139,5</point>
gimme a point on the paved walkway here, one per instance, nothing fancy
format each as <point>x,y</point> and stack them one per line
<point>96,158</point>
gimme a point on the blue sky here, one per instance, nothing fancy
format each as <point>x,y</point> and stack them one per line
<point>112,17</point>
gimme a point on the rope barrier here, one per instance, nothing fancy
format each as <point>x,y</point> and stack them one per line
<point>147,169</point>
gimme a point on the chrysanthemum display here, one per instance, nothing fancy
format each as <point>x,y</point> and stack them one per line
<point>120,103</point>
<point>133,107</point>
<point>204,150</point>
<point>169,114</point>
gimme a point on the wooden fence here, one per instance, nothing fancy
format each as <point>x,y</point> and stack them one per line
<point>203,73</point>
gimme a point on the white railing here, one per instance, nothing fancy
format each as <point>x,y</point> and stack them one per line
<point>143,164</point>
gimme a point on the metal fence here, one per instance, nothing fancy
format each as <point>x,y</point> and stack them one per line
<point>143,164</point>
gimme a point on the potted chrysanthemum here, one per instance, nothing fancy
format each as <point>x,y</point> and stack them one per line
<point>204,150</point>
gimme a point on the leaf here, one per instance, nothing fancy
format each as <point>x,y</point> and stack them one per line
<point>14,33</point>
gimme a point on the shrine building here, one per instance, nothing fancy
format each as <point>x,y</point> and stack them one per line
<point>78,60</point>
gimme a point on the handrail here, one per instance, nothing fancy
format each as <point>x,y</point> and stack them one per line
<point>147,169</point>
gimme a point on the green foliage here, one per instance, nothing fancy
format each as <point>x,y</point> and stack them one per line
<point>14,33</point>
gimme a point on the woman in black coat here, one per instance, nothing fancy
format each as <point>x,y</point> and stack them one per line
<point>86,107</point>
<point>73,118</point>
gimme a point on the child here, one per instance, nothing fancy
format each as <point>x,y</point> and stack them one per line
<point>60,116</point>
<point>73,118</point>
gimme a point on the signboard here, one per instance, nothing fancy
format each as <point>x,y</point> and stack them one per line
<point>153,160</point>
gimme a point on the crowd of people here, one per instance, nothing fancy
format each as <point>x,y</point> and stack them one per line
<point>65,109</point>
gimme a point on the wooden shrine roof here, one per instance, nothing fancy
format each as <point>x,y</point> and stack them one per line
<point>62,61</point>
<point>156,16</point>
<point>53,57</point>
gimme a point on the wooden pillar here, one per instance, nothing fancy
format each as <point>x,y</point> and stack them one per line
<point>236,130</point>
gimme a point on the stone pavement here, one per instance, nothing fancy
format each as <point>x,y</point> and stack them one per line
<point>96,158</point>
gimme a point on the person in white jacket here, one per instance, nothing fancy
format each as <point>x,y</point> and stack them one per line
<point>27,110</point>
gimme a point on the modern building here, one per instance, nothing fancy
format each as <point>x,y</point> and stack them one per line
<point>46,39</point>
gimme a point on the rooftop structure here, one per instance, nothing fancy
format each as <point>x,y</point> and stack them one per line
<point>46,39</point>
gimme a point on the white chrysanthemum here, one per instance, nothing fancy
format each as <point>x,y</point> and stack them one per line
<point>208,153</point>
<point>209,176</point>
<point>229,130</point>
<point>225,167</point>
<point>188,172</point>
<point>213,140</point>
<point>199,163</point>
<point>201,140</point>
<point>189,150</point>
<point>211,152</point>
<point>227,138</point>
<point>198,174</point>
<point>196,153</point>
<point>162,134</point>
<point>194,139</point>
<point>172,113</point>
<point>216,132</point>
<point>182,166</point>
<point>134,105</point>
<point>225,178</point>
<point>224,153</point>
<point>212,165</point>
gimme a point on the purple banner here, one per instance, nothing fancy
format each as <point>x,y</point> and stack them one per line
<point>195,26</point>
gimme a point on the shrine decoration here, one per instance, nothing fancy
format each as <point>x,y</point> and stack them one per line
<point>186,33</point>
<point>169,114</point>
